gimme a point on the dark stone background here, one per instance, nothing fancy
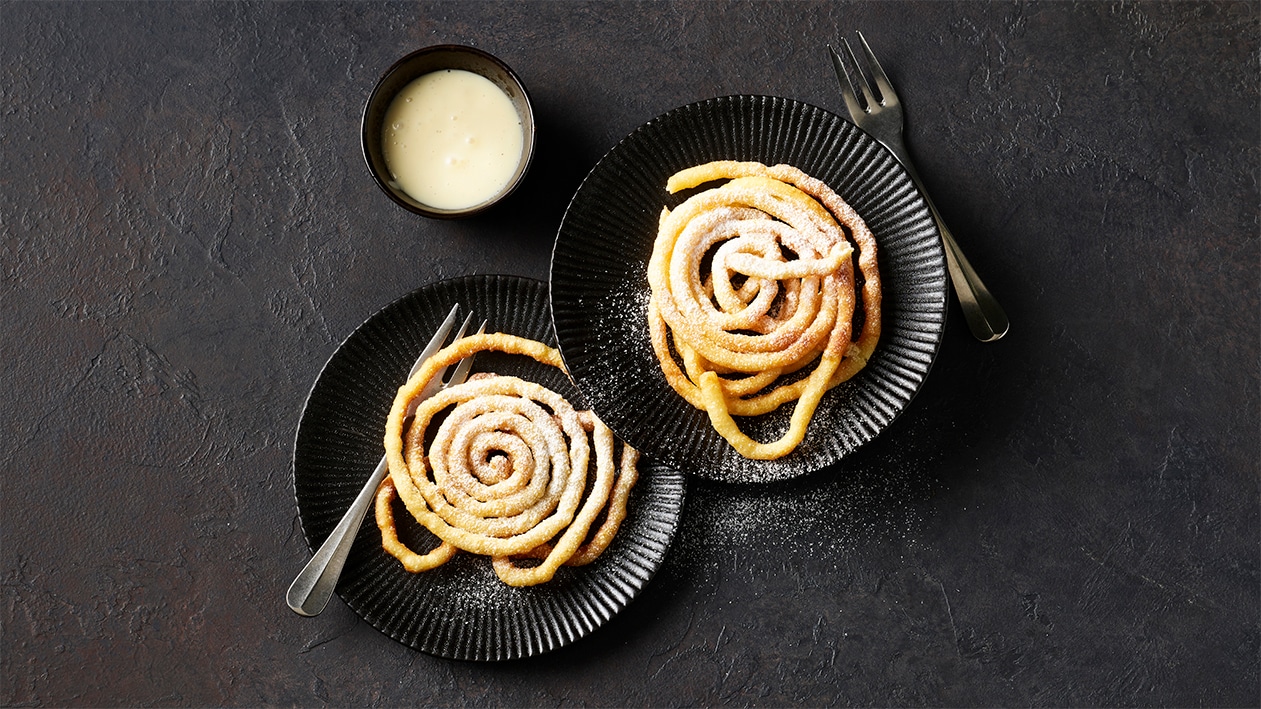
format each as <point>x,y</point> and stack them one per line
<point>1066,517</point>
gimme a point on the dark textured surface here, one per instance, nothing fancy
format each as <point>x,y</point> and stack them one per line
<point>1066,517</point>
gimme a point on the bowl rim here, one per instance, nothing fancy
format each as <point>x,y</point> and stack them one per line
<point>375,96</point>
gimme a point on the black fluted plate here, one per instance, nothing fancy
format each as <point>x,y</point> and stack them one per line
<point>460,610</point>
<point>599,282</point>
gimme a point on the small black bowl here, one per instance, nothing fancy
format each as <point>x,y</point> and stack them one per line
<point>424,61</point>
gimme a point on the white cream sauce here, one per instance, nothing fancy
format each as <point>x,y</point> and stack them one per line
<point>452,139</point>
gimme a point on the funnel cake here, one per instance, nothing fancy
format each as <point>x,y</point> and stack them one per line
<point>753,282</point>
<point>502,467</point>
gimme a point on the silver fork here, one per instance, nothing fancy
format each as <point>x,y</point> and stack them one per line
<point>881,117</point>
<point>314,585</point>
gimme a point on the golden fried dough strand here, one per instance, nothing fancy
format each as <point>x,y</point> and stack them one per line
<point>598,541</point>
<point>779,295</point>
<point>858,354</point>
<point>576,532</point>
<point>411,561</point>
<point>506,468</point>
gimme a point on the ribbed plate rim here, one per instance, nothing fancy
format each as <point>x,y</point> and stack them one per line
<point>915,320</point>
<point>554,616</point>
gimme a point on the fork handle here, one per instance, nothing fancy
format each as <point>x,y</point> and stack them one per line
<point>314,585</point>
<point>986,318</point>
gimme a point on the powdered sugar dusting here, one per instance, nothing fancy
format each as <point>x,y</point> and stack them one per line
<point>876,500</point>
<point>599,285</point>
<point>460,610</point>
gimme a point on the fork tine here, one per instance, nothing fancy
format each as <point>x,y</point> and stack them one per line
<point>437,377</point>
<point>439,336</point>
<point>862,78</point>
<point>466,364</point>
<point>435,383</point>
<point>436,343</point>
<point>887,94</point>
<point>463,328</point>
<point>847,86</point>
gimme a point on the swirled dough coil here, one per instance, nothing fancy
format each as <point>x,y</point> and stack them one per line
<point>754,280</point>
<point>512,470</point>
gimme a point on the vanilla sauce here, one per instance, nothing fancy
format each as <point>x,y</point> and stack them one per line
<point>452,139</point>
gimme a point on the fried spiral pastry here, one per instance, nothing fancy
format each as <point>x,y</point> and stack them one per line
<point>508,471</point>
<point>754,280</point>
